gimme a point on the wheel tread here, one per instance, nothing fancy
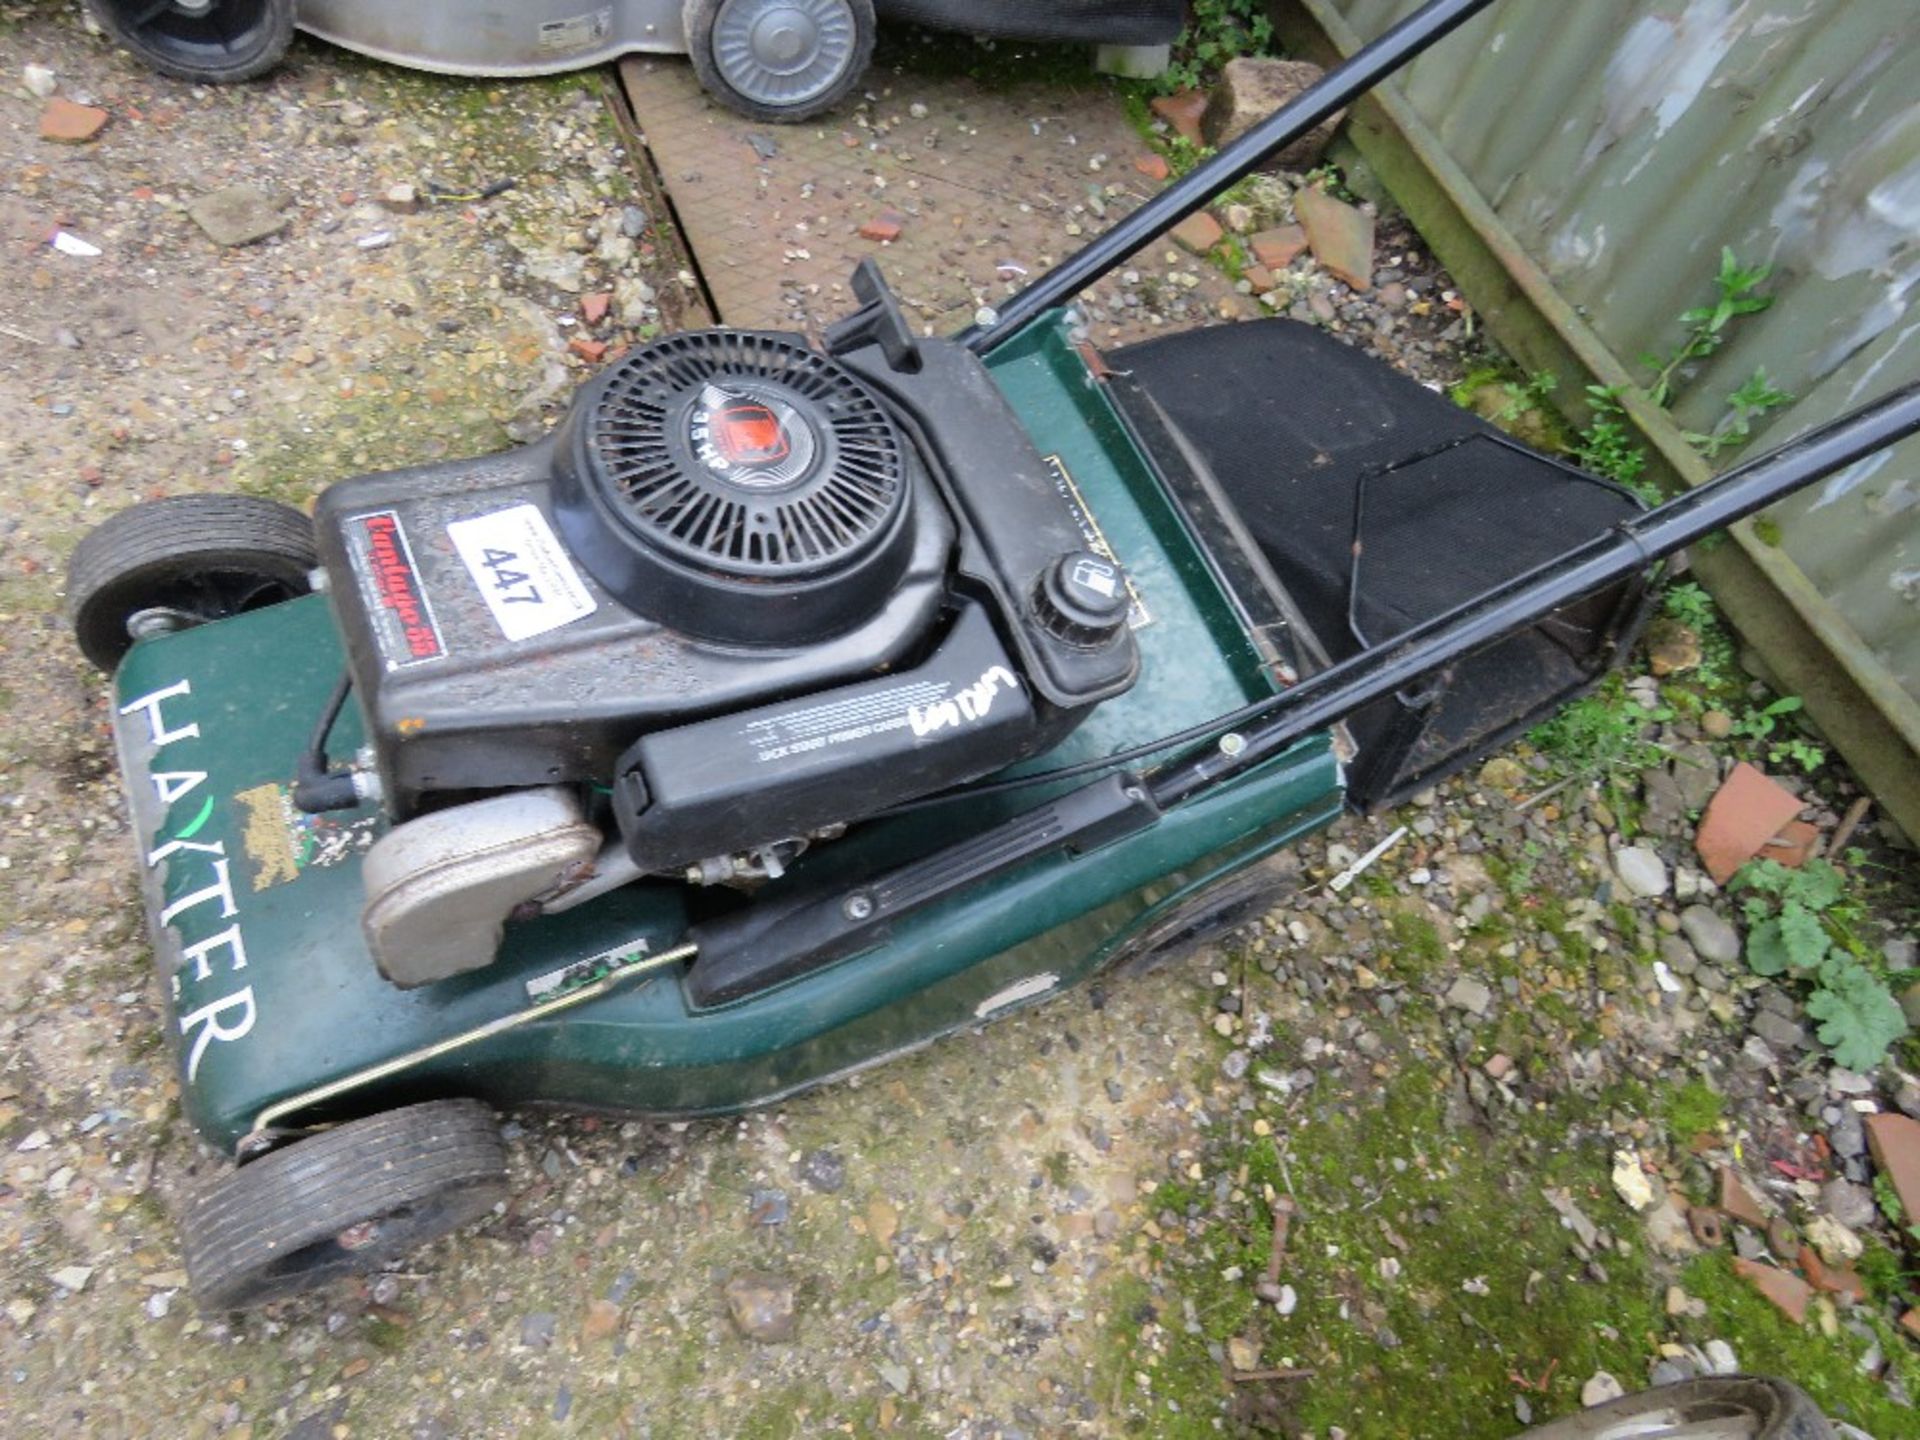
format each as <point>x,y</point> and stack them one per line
<point>447,1152</point>
<point>276,36</point>
<point>130,552</point>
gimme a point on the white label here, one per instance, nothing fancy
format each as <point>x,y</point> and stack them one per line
<point>543,987</point>
<point>523,574</point>
<point>1020,990</point>
<point>578,32</point>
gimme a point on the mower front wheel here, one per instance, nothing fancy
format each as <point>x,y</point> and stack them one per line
<point>779,60</point>
<point>174,563</point>
<point>341,1202</point>
<point>210,42</point>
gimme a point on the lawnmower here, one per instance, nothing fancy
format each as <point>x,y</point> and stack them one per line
<point>790,706</point>
<point>778,60</point>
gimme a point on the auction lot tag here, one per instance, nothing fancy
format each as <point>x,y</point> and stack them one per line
<point>523,574</point>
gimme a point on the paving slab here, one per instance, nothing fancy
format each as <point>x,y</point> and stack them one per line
<point>959,190</point>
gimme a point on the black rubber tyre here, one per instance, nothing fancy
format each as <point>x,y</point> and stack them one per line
<point>211,42</point>
<point>739,51</point>
<point>346,1200</point>
<point>1213,913</point>
<point>1714,1407</point>
<point>206,557</point>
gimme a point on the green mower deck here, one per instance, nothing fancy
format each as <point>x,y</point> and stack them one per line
<point>281,1021</point>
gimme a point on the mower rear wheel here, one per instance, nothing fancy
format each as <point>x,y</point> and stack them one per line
<point>211,42</point>
<point>346,1200</point>
<point>779,60</point>
<point>170,564</point>
<point>1208,915</point>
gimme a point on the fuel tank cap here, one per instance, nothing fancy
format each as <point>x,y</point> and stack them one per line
<point>1082,598</point>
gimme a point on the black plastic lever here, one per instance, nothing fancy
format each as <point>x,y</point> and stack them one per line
<point>879,321</point>
<point>777,939</point>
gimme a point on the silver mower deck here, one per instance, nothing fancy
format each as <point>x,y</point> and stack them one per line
<point>498,37</point>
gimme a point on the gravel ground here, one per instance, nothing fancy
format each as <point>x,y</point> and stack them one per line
<point>1057,1227</point>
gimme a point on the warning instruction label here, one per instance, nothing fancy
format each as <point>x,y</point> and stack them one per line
<point>840,722</point>
<point>1138,615</point>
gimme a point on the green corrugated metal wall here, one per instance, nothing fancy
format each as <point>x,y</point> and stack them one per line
<point>1622,143</point>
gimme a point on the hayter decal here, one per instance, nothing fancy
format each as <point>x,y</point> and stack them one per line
<point>211,952</point>
<point>283,842</point>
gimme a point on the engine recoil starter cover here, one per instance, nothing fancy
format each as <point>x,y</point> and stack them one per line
<point>747,486</point>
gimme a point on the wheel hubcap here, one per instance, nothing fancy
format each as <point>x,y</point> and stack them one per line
<point>784,38</point>
<point>783,52</point>
<point>157,620</point>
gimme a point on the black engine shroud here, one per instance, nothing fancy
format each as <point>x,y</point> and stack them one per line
<point>752,589</point>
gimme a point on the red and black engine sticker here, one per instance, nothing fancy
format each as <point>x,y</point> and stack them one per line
<point>397,606</point>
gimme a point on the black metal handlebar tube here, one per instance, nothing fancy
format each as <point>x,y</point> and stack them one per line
<point>1629,547</point>
<point>1337,89</point>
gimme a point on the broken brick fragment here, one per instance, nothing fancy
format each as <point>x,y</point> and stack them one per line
<point>1744,813</point>
<point>1834,1279</point>
<point>1895,1140</point>
<point>591,351</point>
<point>1183,112</point>
<point>593,308</point>
<point>1787,1292</point>
<point>1739,1202</point>
<point>1708,1225</point>
<point>1153,165</point>
<point>884,227</point>
<point>1341,236</point>
<point>66,123</point>
<point>1279,247</point>
<point>1199,233</point>
<point>1797,843</point>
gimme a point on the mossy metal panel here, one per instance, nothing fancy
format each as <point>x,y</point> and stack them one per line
<point>1622,145</point>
